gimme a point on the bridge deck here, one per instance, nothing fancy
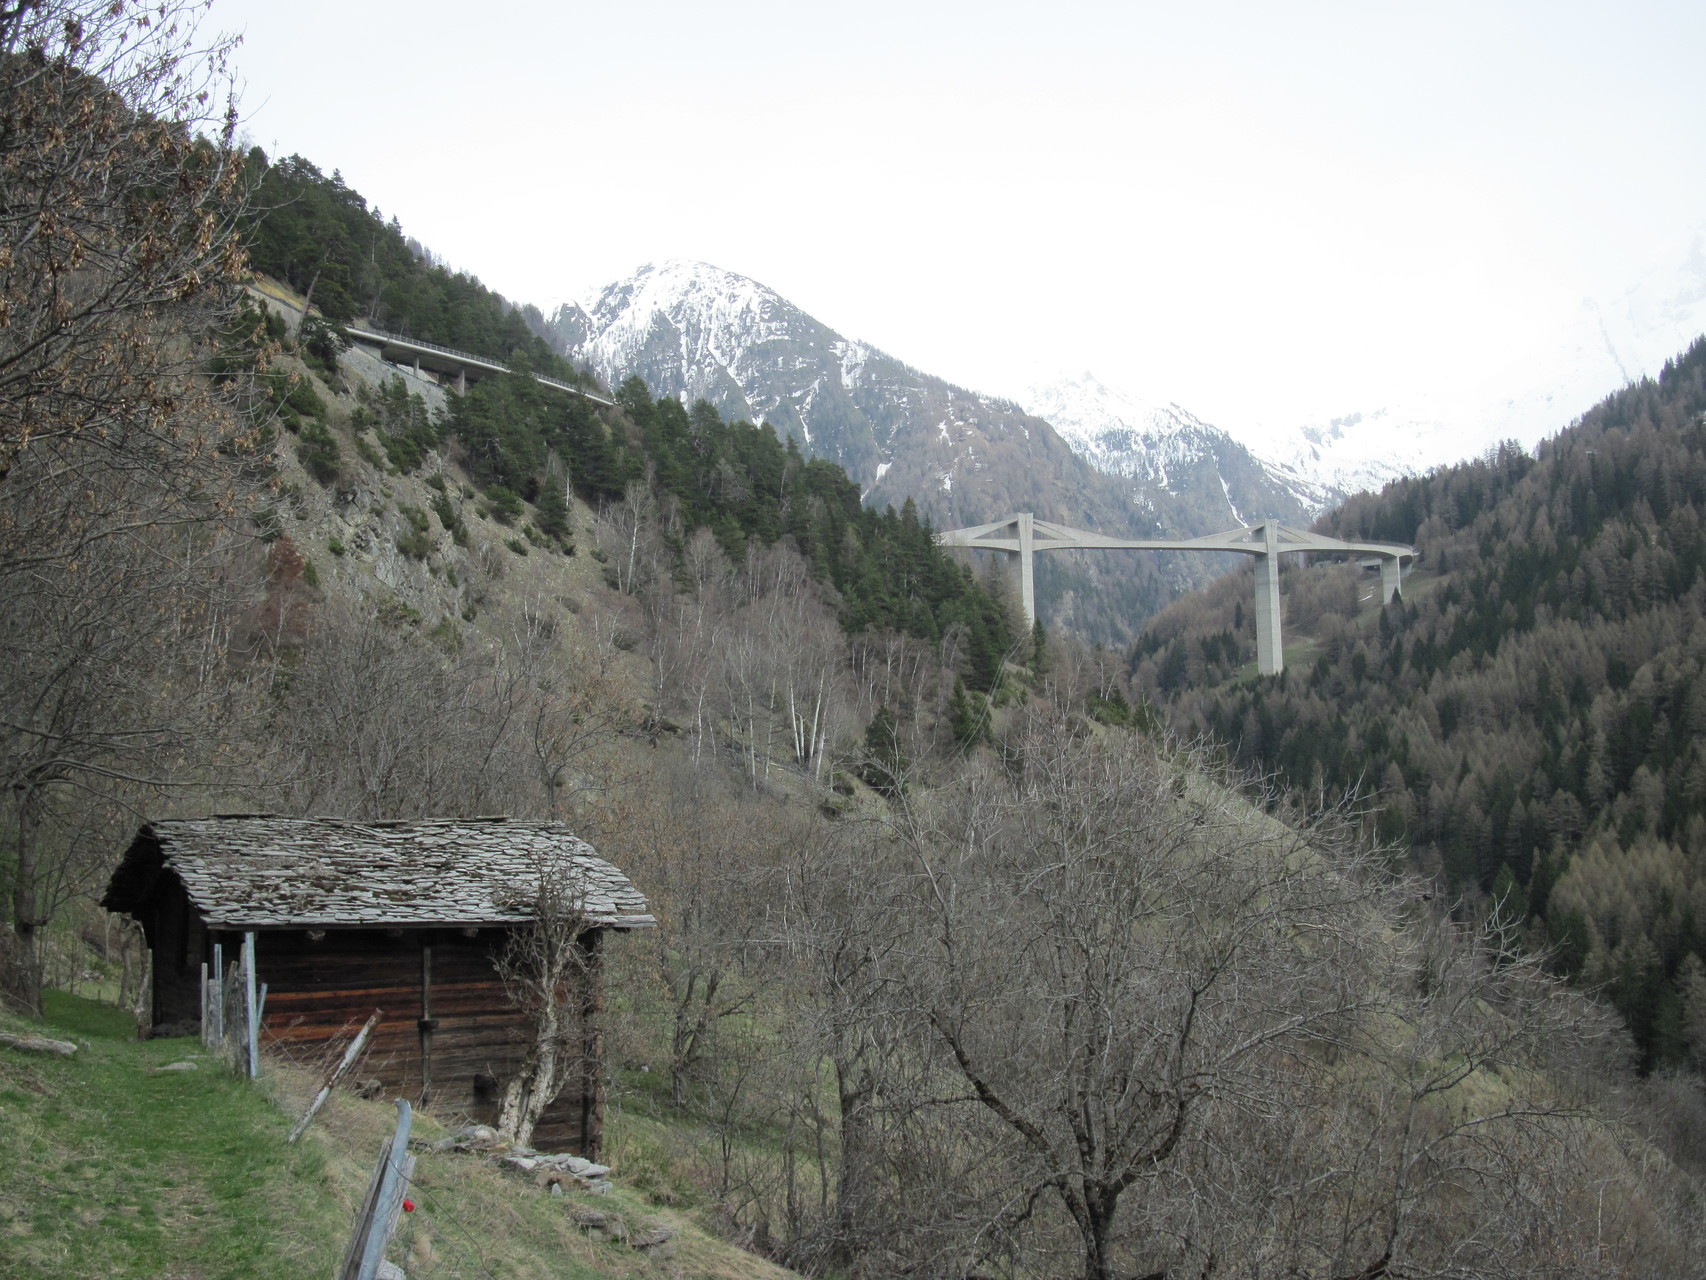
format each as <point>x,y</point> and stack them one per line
<point>440,359</point>
<point>1267,541</point>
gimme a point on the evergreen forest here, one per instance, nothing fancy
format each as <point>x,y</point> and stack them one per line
<point>1528,718</point>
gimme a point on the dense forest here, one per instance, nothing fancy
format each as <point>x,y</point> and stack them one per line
<point>1529,717</point>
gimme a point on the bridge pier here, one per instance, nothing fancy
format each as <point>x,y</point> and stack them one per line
<point>1391,579</point>
<point>1266,542</point>
<point>1027,557</point>
<point>1270,648</point>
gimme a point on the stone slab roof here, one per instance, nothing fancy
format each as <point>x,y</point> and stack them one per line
<point>261,872</point>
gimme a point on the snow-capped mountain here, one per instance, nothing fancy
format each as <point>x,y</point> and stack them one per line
<point>1607,343</point>
<point>699,332</point>
<point>1161,447</point>
<point>696,331</point>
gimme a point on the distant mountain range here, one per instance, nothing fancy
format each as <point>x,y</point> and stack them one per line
<point>1552,379</point>
<point>696,331</point>
<point>1076,450</point>
<point>1166,449</point>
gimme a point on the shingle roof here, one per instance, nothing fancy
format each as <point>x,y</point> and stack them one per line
<point>266,872</point>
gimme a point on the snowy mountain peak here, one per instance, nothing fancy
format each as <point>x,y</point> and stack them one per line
<point>1157,444</point>
<point>1107,426</point>
<point>679,286</point>
<point>703,333</point>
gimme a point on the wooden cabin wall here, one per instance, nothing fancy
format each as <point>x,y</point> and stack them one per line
<point>177,941</point>
<point>452,1054</point>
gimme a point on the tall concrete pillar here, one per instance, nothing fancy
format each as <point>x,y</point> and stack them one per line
<point>1027,564</point>
<point>1270,651</point>
<point>461,382</point>
<point>1391,578</point>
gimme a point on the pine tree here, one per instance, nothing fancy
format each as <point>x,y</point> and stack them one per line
<point>968,718</point>
<point>885,765</point>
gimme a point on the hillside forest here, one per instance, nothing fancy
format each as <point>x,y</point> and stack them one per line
<point>966,966</point>
<point>1528,719</point>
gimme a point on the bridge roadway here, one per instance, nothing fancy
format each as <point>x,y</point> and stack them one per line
<point>1023,535</point>
<point>446,360</point>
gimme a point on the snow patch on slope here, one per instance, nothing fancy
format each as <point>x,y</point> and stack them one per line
<point>1153,443</point>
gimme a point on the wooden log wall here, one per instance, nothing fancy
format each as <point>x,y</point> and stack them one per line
<point>449,1039</point>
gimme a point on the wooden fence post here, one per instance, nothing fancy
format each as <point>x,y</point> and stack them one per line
<point>335,1074</point>
<point>251,1008</point>
<point>384,1201</point>
<point>219,1005</point>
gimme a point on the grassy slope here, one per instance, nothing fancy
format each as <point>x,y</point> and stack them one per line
<point>116,1169</point>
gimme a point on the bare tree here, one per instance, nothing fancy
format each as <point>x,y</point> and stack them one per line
<point>575,707</point>
<point>120,465</point>
<point>1115,956</point>
<point>372,720</point>
<point>119,224</point>
<point>549,969</point>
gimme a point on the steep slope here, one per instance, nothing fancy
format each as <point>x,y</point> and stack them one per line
<point>1165,449</point>
<point>1532,712</point>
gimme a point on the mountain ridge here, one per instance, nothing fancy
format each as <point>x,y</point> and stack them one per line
<point>695,331</point>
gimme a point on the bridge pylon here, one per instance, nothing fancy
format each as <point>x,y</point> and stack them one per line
<point>1022,535</point>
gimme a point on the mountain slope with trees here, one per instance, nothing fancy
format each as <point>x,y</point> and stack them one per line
<point>962,968</point>
<point>1530,716</point>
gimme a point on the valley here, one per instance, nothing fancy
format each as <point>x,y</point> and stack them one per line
<point>1082,945</point>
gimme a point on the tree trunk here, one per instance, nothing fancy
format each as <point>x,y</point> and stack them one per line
<point>23,968</point>
<point>1097,1229</point>
<point>855,1089</point>
<point>536,1084</point>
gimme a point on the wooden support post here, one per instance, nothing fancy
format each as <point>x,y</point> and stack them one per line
<point>336,1074</point>
<point>251,1008</point>
<point>427,1025</point>
<point>219,1004</point>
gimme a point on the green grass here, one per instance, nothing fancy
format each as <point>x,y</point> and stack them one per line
<point>115,1168</point>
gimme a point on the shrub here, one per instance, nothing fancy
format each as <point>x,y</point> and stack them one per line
<point>317,451</point>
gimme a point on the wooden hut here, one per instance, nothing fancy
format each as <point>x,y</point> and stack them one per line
<point>404,917</point>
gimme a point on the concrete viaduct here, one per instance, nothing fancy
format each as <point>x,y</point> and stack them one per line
<point>1022,536</point>
<point>448,363</point>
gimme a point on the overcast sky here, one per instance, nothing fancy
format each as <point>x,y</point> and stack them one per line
<point>1264,211</point>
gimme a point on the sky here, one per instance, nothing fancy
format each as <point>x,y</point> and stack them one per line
<point>1261,211</point>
